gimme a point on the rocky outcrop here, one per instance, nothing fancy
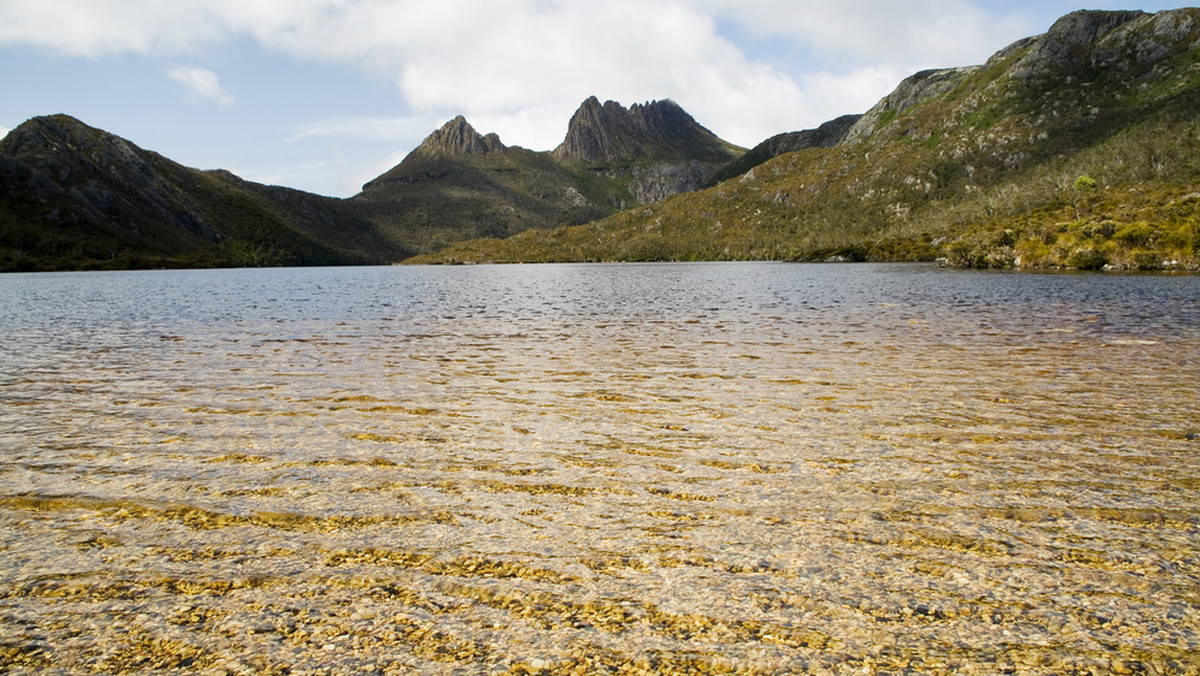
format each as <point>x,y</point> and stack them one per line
<point>457,138</point>
<point>658,181</point>
<point>658,130</point>
<point>1087,43</point>
<point>599,132</point>
<point>1070,43</point>
<point>1079,47</point>
<point>915,89</point>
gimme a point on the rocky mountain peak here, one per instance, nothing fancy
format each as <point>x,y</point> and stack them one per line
<point>660,130</point>
<point>599,132</point>
<point>457,138</point>
<point>1084,43</point>
<point>1070,42</point>
<point>1086,26</point>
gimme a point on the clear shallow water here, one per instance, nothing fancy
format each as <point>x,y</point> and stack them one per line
<point>721,467</point>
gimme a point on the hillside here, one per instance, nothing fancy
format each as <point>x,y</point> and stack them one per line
<point>75,197</point>
<point>1078,148</point>
<point>459,184</point>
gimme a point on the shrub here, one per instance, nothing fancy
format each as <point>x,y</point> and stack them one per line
<point>1136,234</point>
<point>1087,258</point>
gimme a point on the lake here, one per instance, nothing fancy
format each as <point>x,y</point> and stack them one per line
<point>675,468</point>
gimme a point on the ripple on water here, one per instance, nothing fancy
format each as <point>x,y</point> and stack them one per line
<point>841,479</point>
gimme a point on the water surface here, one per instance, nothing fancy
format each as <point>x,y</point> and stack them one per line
<point>757,468</point>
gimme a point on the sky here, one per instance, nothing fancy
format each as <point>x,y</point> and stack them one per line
<point>324,95</point>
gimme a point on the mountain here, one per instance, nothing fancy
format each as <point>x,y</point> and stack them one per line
<point>1079,148</point>
<point>73,197</point>
<point>459,184</point>
<point>658,130</point>
<point>652,150</point>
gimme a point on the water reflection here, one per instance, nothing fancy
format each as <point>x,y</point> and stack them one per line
<point>761,468</point>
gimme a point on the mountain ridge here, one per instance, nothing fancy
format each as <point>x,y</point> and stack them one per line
<point>827,135</point>
<point>458,138</point>
<point>1078,148</point>
<point>460,184</point>
<point>122,206</point>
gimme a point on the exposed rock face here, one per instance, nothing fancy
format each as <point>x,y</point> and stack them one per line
<point>657,182</point>
<point>599,132</point>
<point>1087,41</point>
<point>912,90</point>
<point>457,138</point>
<point>1069,44</point>
<point>659,130</point>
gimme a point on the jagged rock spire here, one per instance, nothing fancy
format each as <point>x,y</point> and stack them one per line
<point>458,138</point>
<point>658,130</point>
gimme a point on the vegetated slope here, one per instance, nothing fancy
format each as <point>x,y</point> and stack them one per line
<point>1078,148</point>
<point>459,184</point>
<point>827,135</point>
<point>75,197</point>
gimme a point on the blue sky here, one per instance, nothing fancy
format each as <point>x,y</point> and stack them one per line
<point>323,95</point>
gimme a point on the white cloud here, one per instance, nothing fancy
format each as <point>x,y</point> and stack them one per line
<point>520,67</point>
<point>926,32</point>
<point>95,28</point>
<point>201,82</point>
<point>4,131</point>
<point>368,128</point>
